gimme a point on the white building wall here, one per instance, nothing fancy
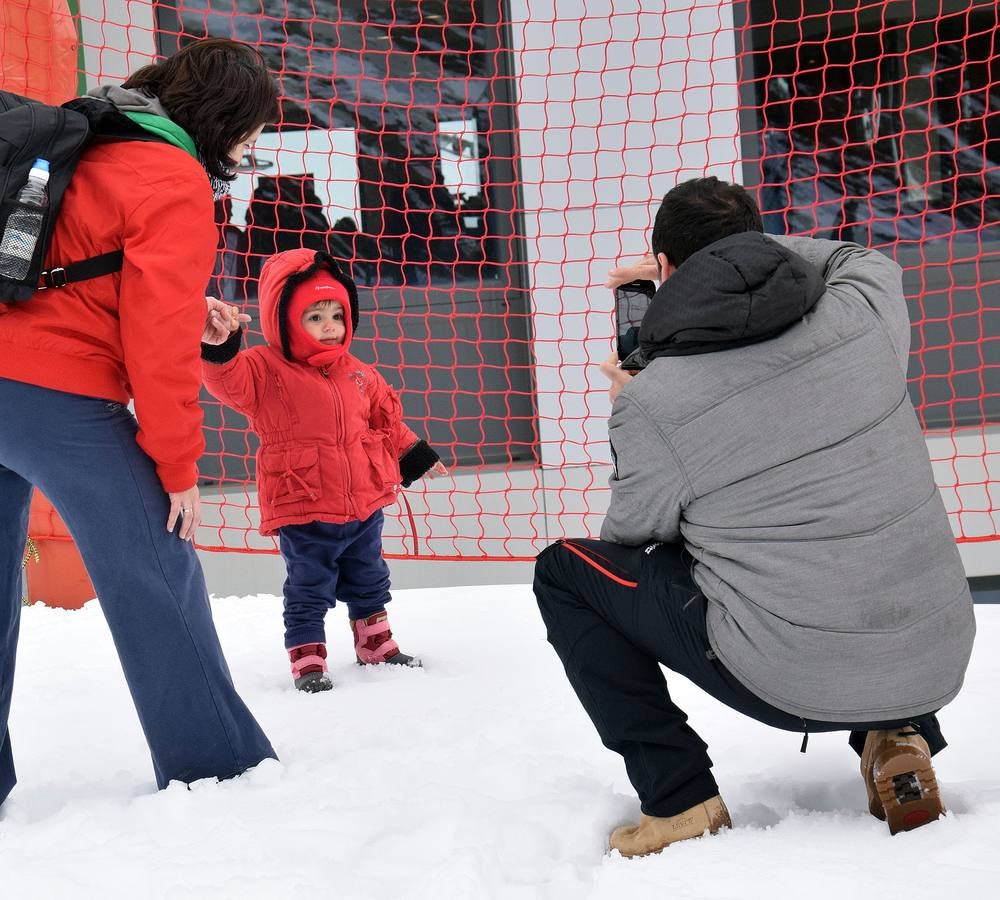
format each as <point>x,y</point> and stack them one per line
<point>617,104</point>
<point>118,38</point>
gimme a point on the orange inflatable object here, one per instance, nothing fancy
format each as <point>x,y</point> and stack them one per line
<point>38,59</point>
<point>38,50</point>
<point>55,570</point>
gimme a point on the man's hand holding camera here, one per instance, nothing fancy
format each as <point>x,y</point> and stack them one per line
<point>642,274</point>
<point>647,269</point>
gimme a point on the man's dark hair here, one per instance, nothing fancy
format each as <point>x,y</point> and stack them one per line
<point>218,90</point>
<point>700,212</point>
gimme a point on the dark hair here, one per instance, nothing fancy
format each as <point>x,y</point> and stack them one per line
<point>217,90</point>
<point>700,212</point>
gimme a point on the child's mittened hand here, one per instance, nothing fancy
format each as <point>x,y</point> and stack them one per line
<point>437,469</point>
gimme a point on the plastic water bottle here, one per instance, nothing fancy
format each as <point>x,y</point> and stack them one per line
<point>24,225</point>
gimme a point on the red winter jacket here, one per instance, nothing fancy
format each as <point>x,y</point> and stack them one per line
<point>331,438</point>
<point>136,333</point>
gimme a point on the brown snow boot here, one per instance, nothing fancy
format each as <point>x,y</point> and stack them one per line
<point>652,833</point>
<point>899,777</point>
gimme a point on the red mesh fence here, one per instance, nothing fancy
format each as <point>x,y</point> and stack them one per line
<point>882,126</point>
<point>479,166</point>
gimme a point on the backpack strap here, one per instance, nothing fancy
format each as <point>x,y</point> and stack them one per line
<point>107,124</point>
<point>95,267</point>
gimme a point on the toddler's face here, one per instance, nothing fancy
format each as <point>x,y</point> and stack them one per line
<point>324,321</point>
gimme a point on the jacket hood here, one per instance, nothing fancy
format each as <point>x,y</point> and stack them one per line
<point>279,278</point>
<point>129,100</point>
<point>121,113</point>
<point>741,290</point>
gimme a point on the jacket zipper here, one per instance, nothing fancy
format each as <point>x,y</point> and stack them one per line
<point>338,403</point>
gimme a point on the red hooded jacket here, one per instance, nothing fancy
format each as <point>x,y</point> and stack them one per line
<point>331,432</point>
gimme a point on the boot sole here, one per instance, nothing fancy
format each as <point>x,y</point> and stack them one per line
<point>908,793</point>
<point>410,662</point>
<point>313,683</point>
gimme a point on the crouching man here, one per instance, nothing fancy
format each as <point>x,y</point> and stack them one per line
<point>775,534</point>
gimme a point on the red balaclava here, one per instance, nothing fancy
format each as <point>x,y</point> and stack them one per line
<point>304,348</point>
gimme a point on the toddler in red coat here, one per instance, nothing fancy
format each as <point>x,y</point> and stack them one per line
<point>334,451</point>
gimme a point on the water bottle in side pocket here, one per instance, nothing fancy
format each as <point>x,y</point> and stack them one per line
<point>25,223</point>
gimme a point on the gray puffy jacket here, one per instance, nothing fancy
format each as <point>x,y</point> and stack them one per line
<point>771,431</point>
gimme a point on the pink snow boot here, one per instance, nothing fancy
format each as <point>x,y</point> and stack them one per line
<point>373,643</point>
<point>309,668</point>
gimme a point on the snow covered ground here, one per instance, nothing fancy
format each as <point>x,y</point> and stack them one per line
<point>478,777</point>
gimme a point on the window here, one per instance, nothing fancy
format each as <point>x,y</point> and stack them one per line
<point>880,124</point>
<point>395,153</point>
<point>881,134</point>
<point>407,98</point>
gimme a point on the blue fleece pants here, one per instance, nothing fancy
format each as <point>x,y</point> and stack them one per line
<point>326,563</point>
<point>82,454</point>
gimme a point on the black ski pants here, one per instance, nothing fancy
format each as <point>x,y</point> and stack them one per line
<point>614,614</point>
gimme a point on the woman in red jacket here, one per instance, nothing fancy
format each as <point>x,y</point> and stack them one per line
<point>333,452</point>
<point>72,358</point>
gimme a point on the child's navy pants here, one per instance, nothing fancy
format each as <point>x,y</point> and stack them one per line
<point>82,454</point>
<point>326,563</point>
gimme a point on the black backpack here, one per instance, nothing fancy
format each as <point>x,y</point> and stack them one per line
<point>29,130</point>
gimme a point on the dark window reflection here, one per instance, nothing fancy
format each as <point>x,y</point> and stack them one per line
<point>891,135</point>
<point>881,129</point>
<point>229,278</point>
<point>395,153</point>
<point>415,87</point>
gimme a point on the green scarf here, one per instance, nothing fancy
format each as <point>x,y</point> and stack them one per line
<point>166,129</point>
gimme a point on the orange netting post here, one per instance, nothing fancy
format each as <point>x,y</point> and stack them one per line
<point>38,50</point>
<point>55,570</point>
<point>38,59</point>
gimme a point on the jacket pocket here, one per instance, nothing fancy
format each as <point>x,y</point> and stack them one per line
<point>382,461</point>
<point>293,473</point>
